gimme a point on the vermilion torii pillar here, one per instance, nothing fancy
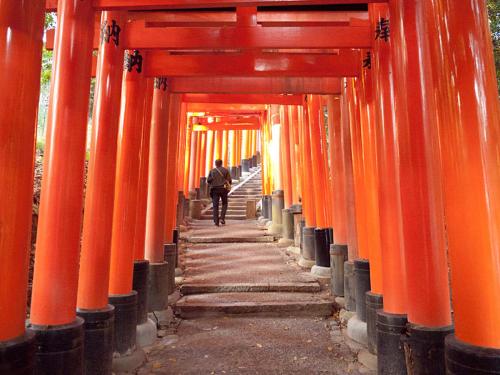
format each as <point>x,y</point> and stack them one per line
<point>126,204</point>
<point>285,155</point>
<point>142,194</point>
<point>225,148</point>
<point>294,152</point>
<point>390,350</point>
<point>192,160</point>
<point>469,133</point>
<point>218,144</point>
<point>55,279</point>
<point>95,255</point>
<point>21,31</point>
<point>210,151</point>
<point>156,197</point>
<point>337,169</point>
<point>157,185</point>
<point>173,150</point>
<point>308,254</point>
<point>421,184</point>
<point>187,158</point>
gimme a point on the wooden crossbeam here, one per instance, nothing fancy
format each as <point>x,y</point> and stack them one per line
<point>192,4</point>
<point>244,99</point>
<point>346,64</point>
<point>256,85</point>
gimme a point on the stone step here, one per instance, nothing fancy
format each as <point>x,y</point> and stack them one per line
<point>228,217</point>
<point>290,304</point>
<point>229,212</point>
<point>229,239</point>
<point>291,287</point>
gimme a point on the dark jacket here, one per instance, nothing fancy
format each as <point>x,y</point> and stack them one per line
<point>216,179</point>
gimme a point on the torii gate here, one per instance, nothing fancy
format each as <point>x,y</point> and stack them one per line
<point>424,142</point>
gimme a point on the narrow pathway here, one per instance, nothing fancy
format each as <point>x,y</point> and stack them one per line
<point>247,308</point>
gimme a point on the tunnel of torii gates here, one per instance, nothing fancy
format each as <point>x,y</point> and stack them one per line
<point>379,120</point>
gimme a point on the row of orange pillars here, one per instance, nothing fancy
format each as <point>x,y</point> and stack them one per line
<point>407,174</point>
<point>239,150</point>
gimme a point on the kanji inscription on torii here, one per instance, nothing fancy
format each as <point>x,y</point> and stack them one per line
<point>382,31</point>
<point>108,31</point>
<point>133,59</point>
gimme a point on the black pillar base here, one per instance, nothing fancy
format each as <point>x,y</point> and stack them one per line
<point>338,256</point>
<point>390,352</point>
<point>140,285</point>
<point>466,359</point>
<point>240,171</point>
<point>198,193</point>
<point>374,302</point>
<point>308,248</point>
<point>17,356</point>
<point>267,208</point>
<point>59,348</point>
<point>349,286</point>
<point>302,226</point>
<point>233,171</point>
<point>321,247</point>
<point>362,284</point>
<point>170,256</point>
<point>424,348</point>
<point>245,165</point>
<point>203,188</point>
<point>125,322</point>
<point>98,345</point>
<point>158,286</point>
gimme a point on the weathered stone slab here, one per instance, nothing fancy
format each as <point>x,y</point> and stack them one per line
<point>313,287</point>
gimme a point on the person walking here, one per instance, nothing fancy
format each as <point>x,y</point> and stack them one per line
<point>220,182</point>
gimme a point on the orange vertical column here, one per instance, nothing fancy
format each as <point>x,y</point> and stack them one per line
<point>210,151</point>
<point>358,169</point>
<point>370,181</point>
<point>393,266</point>
<point>151,217</point>
<point>127,181</point>
<point>420,181</point>
<point>182,147</point>
<point>225,148</point>
<point>199,150</point>
<point>337,170</point>
<point>469,131</point>
<point>316,159</point>
<point>95,255</point>
<point>187,158</point>
<point>286,163</point>
<point>203,156</point>
<point>175,123</point>
<point>192,160</point>
<point>157,179</point>
<point>99,197</point>
<point>233,141</point>
<point>294,170</point>
<point>391,241</point>
<point>21,31</point>
<point>60,215</point>
<point>345,133</point>
<point>218,144</point>
<point>127,203</point>
<point>142,193</point>
<point>307,194</point>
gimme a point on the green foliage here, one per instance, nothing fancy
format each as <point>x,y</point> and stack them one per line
<point>40,145</point>
<point>494,15</point>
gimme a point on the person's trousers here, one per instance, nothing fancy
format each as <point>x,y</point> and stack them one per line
<point>219,193</point>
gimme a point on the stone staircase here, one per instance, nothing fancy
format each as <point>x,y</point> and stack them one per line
<point>249,189</point>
